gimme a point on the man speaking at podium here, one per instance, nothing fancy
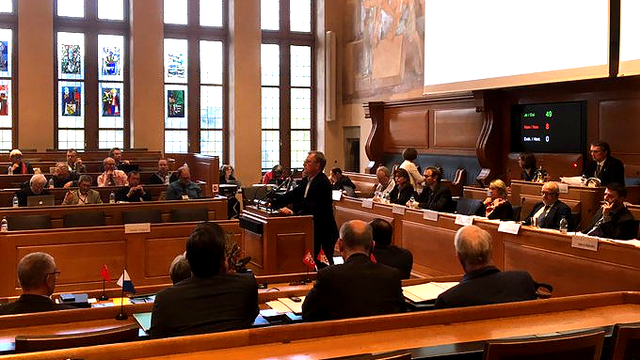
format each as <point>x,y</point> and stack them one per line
<point>313,197</point>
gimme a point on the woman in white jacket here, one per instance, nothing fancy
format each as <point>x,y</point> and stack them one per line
<point>409,155</point>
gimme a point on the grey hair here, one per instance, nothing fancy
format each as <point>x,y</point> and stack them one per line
<point>85,177</point>
<point>474,245</point>
<point>356,234</point>
<point>385,170</point>
<point>37,177</point>
<point>33,269</point>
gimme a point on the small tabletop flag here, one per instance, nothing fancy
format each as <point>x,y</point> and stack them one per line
<point>308,260</point>
<point>104,273</point>
<point>322,257</point>
<point>125,282</point>
<point>372,258</point>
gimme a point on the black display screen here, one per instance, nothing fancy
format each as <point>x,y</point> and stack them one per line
<point>548,128</point>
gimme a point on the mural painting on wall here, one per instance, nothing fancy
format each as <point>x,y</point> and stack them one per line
<point>384,48</point>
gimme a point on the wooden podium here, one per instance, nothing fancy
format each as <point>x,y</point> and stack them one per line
<point>276,243</point>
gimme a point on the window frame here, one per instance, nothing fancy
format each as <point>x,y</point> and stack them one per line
<point>285,38</point>
<point>91,27</point>
<point>10,21</point>
<point>193,32</point>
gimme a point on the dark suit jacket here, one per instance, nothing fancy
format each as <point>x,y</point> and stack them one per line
<point>317,203</point>
<point>502,212</point>
<point>121,195</point>
<point>203,305</point>
<point>30,304</point>
<point>558,211</point>
<point>612,171</point>
<point>403,196</point>
<point>396,257</point>
<point>621,226</point>
<point>356,288</point>
<point>438,199</point>
<point>489,286</point>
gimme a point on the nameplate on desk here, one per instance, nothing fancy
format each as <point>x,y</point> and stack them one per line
<point>137,228</point>
<point>464,220</point>
<point>336,195</point>
<point>509,227</point>
<point>367,203</point>
<point>398,209</point>
<point>584,242</point>
<point>430,215</point>
<point>563,188</point>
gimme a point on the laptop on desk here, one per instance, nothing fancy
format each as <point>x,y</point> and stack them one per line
<point>40,200</point>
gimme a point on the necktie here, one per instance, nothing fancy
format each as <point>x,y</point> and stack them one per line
<point>598,169</point>
<point>544,214</point>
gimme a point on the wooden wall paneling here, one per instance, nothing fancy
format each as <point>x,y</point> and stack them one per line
<point>556,165</point>
<point>406,127</point>
<point>455,131</point>
<point>432,247</point>
<point>374,146</point>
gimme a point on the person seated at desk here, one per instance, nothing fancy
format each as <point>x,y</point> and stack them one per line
<point>226,176</point>
<point>134,192</point>
<point>550,210</point>
<point>388,254</point>
<point>385,182</point>
<point>410,155</point>
<point>604,166</point>
<point>341,182</point>
<point>435,196</point>
<point>483,283</point>
<point>358,287</point>
<point>34,187</point>
<point>403,191</point>
<point>496,206</point>
<point>17,165</point>
<point>163,176</point>
<point>116,154</point>
<point>211,299</point>
<point>613,220</point>
<point>111,176</point>
<point>74,163</point>
<point>183,188</point>
<point>37,274</point>
<point>527,162</point>
<point>83,195</point>
<point>62,177</point>
<point>179,269</point>
<point>275,176</point>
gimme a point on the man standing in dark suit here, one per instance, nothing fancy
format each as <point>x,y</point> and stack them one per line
<point>358,287</point>
<point>211,299</point>
<point>388,254</point>
<point>483,283</point>
<point>37,273</point>
<point>604,166</point>
<point>313,197</point>
<point>435,196</point>
<point>613,220</point>
<point>550,210</point>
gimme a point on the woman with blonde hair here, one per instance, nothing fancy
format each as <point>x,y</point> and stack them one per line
<point>496,206</point>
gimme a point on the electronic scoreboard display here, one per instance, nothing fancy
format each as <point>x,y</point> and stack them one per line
<point>548,128</point>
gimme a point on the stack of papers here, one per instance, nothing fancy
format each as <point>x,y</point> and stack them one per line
<point>426,292</point>
<point>285,305</point>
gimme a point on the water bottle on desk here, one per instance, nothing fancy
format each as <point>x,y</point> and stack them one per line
<point>564,225</point>
<point>112,198</point>
<point>15,201</point>
<point>51,185</point>
<point>10,171</point>
<point>5,225</point>
<point>411,204</point>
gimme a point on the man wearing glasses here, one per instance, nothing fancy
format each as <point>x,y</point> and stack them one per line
<point>37,273</point>
<point>313,197</point>
<point>604,166</point>
<point>548,213</point>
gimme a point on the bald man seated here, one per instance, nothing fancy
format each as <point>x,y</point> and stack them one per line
<point>483,283</point>
<point>358,287</point>
<point>37,273</point>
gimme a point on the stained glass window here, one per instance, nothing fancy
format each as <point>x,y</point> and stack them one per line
<point>71,8</point>
<point>110,9</point>
<point>6,89</point>
<point>211,12</point>
<point>176,12</point>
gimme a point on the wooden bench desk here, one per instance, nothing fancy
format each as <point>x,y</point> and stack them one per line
<point>376,334</point>
<point>546,254</point>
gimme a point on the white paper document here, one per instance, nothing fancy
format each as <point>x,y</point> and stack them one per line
<point>426,292</point>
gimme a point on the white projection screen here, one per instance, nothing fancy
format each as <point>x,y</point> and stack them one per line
<point>472,44</point>
<point>629,38</point>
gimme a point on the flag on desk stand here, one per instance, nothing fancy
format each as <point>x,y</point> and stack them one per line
<point>125,282</point>
<point>308,261</point>
<point>322,257</point>
<point>104,274</point>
